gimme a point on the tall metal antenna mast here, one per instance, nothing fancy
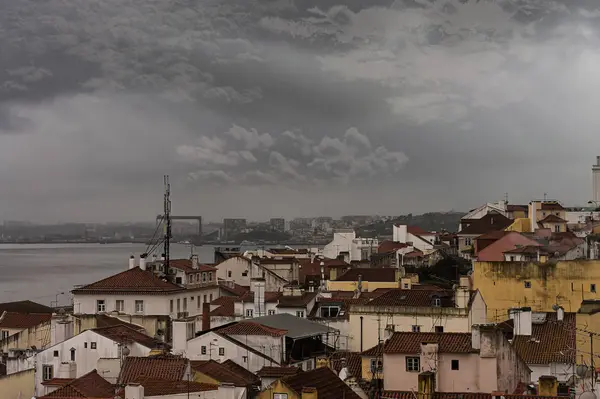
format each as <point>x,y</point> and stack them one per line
<point>167,217</point>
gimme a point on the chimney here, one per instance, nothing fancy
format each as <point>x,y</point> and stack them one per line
<point>598,160</point>
<point>461,297</point>
<point>154,258</point>
<point>195,264</point>
<point>257,286</point>
<point>405,282</point>
<point>426,385</point>
<point>131,262</point>
<point>179,336</point>
<point>522,321</point>
<point>134,391</point>
<point>143,261</point>
<point>465,281</point>
<point>547,386</point>
<point>226,390</point>
<point>475,337</point>
<point>62,329</point>
<point>323,284</point>
<point>206,316</point>
<point>560,314</point>
<point>309,393</point>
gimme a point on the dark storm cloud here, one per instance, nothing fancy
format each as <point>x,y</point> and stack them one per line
<point>387,106</point>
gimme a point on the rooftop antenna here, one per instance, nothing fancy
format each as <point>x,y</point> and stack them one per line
<point>506,198</point>
<point>167,216</point>
<point>545,196</point>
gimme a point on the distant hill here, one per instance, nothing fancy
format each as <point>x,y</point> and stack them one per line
<point>432,221</point>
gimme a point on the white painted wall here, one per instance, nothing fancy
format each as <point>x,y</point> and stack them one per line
<point>270,346</point>
<point>86,358</point>
<point>347,242</point>
<point>400,234</point>
<point>233,269</point>
<point>238,354</point>
<point>562,371</point>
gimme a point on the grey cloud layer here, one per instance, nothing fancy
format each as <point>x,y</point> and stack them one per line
<point>327,97</point>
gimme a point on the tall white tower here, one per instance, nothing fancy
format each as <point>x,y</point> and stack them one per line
<point>596,180</point>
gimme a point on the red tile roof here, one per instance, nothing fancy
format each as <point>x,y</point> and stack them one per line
<point>57,382</point>
<point>158,387</point>
<point>383,274</point>
<point>270,296</point>
<point>277,372</point>
<point>553,219</point>
<point>24,307</point>
<point>460,395</point>
<point>233,288</point>
<point>550,342</point>
<point>409,342</point>
<point>528,249</point>
<point>104,320</point>
<point>352,361</point>
<point>326,382</point>
<point>376,350</point>
<point>240,371</point>
<point>23,320</point>
<point>515,208</point>
<point>186,266</point>
<point>224,373</point>
<point>296,301</point>
<point>90,385</point>
<point>552,206</point>
<point>389,246</point>
<point>226,306</point>
<point>413,298</point>
<point>123,334</point>
<point>131,281</point>
<point>251,328</point>
<point>163,367</point>
<point>417,231</point>
<point>489,222</point>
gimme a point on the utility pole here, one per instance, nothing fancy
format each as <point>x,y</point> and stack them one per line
<point>167,216</point>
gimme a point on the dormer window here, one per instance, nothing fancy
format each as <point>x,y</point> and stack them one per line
<point>437,302</point>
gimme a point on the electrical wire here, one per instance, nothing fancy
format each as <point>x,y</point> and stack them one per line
<point>158,225</point>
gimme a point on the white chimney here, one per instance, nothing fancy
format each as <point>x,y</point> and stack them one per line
<point>522,321</point>
<point>257,286</point>
<point>162,257</point>
<point>226,390</point>
<point>179,337</point>
<point>143,261</point>
<point>134,391</point>
<point>195,264</point>
<point>154,258</point>
<point>131,262</point>
<point>560,314</point>
<point>62,329</point>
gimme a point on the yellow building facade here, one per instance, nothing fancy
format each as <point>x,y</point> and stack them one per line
<point>506,285</point>
<point>19,385</point>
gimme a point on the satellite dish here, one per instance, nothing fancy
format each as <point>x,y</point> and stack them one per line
<point>587,395</point>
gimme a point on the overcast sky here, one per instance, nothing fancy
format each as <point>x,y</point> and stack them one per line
<point>269,108</point>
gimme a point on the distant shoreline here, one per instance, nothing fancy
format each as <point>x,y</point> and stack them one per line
<point>209,244</point>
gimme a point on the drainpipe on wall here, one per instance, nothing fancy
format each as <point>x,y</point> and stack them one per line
<point>361,334</point>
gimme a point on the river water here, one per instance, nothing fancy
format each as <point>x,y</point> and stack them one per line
<point>39,272</point>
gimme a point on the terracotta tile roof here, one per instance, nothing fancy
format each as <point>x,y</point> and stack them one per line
<point>233,288</point>
<point>552,206</point>
<point>277,372</point>
<point>296,301</point>
<point>270,296</point>
<point>553,219</point>
<point>352,361</point>
<point>90,385</point>
<point>158,387</point>
<point>186,266</point>
<point>550,342</point>
<point>409,342</point>
<point>123,334</point>
<point>413,298</point>
<point>416,230</point>
<point>24,307</point>
<point>251,328</point>
<point>241,371</point>
<point>226,306</point>
<point>164,367</point>
<point>382,274</point>
<point>489,222</point>
<point>131,281</point>
<point>326,382</point>
<point>223,373</point>
<point>343,302</point>
<point>274,261</point>
<point>515,208</point>
<point>308,268</point>
<point>528,249</point>
<point>389,246</point>
<point>493,235</point>
<point>23,320</point>
<point>57,382</point>
<point>374,351</point>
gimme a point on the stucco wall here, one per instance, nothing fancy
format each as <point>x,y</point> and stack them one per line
<point>18,386</point>
<point>38,336</point>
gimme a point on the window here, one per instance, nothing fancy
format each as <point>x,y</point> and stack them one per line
<point>199,300</point>
<point>4,334</point>
<point>221,351</point>
<point>376,366</point>
<point>437,302</point>
<point>512,258</point>
<point>280,396</point>
<point>85,345</point>
<point>405,286</point>
<point>557,228</point>
<point>271,312</point>
<point>229,273</point>
<point>592,287</point>
<point>467,240</point>
<point>184,304</point>
<point>93,345</point>
<point>330,311</point>
<point>245,273</point>
<point>120,305</point>
<point>100,305</point>
<point>527,284</point>
<point>55,353</point>
<point>244,359</point>
<point>209,276</point>
<point>139,306</point>
<point>190,331</point>
<point>211,297</point>
<point>47,372</point>
<point>171,306</point>
<point>178,280</point>
<point>178,305</point>
<point>300,313</point>
<point>455,364</point>
<point>249,312</point>
<point>203,277</point>
<point>416,328</point>
<point>204,298</point>
<point>439,329</point>
<point>413,364</point>
<point>203,350</point>
<point>72,354</point>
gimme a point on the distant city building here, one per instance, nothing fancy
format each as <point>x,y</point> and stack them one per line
<point>232,227</point>
<point>301,224</point>
<point>354,220</point>
<point>277,224</point>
